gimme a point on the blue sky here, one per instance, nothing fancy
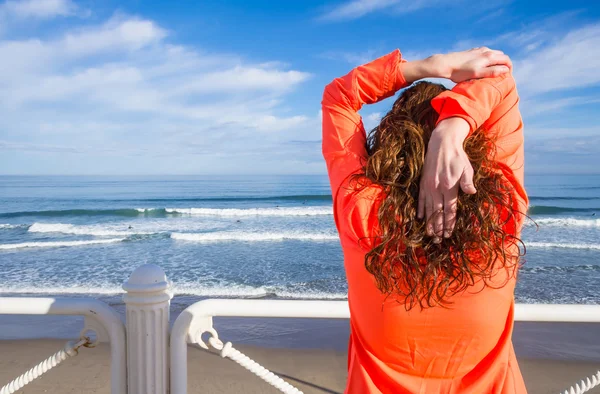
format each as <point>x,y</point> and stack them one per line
<point>229,87</point>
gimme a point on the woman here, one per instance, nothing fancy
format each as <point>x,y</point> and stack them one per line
<point>431,301</point>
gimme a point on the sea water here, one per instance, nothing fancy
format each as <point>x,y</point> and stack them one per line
<point>247,236</point>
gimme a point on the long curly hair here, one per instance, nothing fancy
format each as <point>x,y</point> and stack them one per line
<point>404,260</point>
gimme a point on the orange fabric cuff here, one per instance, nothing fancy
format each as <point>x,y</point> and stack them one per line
<point>397,79</point>
<point>450,104</point>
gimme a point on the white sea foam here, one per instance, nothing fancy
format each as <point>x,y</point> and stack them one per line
<point>193,289</point>
<point>146,210</point>
<point>98,231</point>
<point>232,290</point>
<point>556,299</point>
<point>562,245</point>
<point>251,237</point>
<point>178,289</point>
<point>98,289</point>
<point>8,226</point>
<point>287,211</point>
<point>565,222</point>
<point>311,295</point>
<point>568,268</point>
<point>58,244</point>
<point>254,292</point>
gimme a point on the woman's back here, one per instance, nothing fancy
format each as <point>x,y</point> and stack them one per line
<point>466,346</point>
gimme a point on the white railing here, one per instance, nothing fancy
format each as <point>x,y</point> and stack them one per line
<point>196,320</point>
<point>98,317</point>
<point>561,313</point>
<point>147,303</point>
<point>140,365</point>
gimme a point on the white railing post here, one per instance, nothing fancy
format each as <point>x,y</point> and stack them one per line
<point>147,304</point>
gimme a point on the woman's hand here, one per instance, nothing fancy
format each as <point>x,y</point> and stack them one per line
<point>475,63</point>
<point>459,66</point>
<point>446,167</point>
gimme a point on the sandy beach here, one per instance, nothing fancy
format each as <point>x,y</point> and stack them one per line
<point>311,370</point>
<point>308,353</point>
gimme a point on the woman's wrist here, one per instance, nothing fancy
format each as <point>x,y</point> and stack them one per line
<point>432,67</point>
<point>419,69</point>
<point>438,66</point>
<point>453,129</point>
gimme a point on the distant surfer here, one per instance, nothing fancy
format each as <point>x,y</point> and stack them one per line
<point>130,227</point>
<point>594,214</point>
<point>238,221</point>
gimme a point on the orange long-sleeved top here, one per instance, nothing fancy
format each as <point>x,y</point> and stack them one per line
<point>465,348</point>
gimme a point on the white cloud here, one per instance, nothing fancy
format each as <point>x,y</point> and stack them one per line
<point>580,145</point>
<point>569,62</point>
<point>554,59</point>
<point>38,9</point>
<point>538,105</point>
<point>355,9</point>
<point>491,15</point>
<point>353,58</point>
<point>552,64</point>
<point>358,58</point>
<point>372,120</point>
<point>115,37</point>
<point>358,8</point>
<point>273,123</point>
<point>553,150</point>
<point>23,146</point>
<point>116,34</point>
<point>525,39</point>
<point>245,78</point>
<point>555,69</point>
<point>541,132</point>
<point>122,89</point>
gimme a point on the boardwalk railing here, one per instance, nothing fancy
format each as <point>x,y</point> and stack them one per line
<point>196,320</point>
<point>141,365</point>
<point>99,318</point>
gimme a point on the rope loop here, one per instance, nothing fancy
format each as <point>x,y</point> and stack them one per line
<point>585,385</point>
<point>227,350</point>
<point>70,349</point>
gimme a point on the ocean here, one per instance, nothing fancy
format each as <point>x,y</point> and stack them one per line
<point>247,237</point>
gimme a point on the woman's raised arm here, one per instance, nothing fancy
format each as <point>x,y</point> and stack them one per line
<point>344,137</point>
<point>462,110</point>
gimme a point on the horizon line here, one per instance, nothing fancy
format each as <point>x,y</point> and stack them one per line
<point>245,174</point>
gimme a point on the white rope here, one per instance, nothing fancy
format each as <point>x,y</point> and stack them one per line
<point>584,386</point>
<point>69,350</point>
<point>229,351</point>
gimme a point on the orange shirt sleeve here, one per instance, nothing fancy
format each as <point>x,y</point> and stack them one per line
<point>344,137</point>
<point>474,100</point>
<point>492,103</point>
